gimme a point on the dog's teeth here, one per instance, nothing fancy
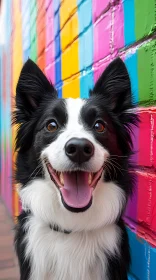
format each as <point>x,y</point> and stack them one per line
<point>61,178</point>
<point>90,178</point>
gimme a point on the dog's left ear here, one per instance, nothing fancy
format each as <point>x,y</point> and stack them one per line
<point>114,84</point>
<point>32,88</point>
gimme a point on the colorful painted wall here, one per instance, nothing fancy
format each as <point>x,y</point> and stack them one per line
<point>73,41</point>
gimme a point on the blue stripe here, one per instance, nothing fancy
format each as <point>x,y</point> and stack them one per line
<point>129,21</point>
<point>58,79</point>
<point>152,263</point>
<point>131,62</point>
<point>56,4</point>
<point>8,131</point>
<point>26,29</point>
<point>140,250</point>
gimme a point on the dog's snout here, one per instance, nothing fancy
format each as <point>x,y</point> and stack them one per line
<point>79,150</point>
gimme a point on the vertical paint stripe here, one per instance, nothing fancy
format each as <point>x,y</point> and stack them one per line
<point>85,47</point>
<point>139,254</point>
<point>2,126</point>
<point>50,42</point>
<point>33,30</point>
<point>8,112</point>
<point>129,21</point>
<point>58,80</point>
<point>145,19</point>
<point>147,57</point>
<point>129,36</point>
<point>41,33</point>
<point>4,112</point>
<point>117,36</point>
<point>17,65</point>
<point>131,61</point>
<point>70,49</point>
<point>25,12</point>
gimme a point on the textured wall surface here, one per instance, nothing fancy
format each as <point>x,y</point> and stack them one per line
<point>73,41</point>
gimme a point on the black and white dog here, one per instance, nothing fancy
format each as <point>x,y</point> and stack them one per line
<point>73,165</point>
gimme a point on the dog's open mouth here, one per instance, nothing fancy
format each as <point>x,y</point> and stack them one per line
<point>76,187</point>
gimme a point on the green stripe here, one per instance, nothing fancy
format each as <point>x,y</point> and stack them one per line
<point>33,30</point>
<point>145,19</point>
<point>147,73</point>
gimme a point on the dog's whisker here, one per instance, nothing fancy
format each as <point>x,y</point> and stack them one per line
<point>38,166</point>
<point>117,164</point>
<point>108,170</point>
<point>113,168</point>
<point>118,156</point>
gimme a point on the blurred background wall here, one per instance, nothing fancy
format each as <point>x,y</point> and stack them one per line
<point>73,41</point>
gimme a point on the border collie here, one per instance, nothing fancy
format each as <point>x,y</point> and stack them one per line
<point>73,168</point>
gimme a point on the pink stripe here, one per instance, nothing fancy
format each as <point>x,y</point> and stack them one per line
<point>102,37</point>
<point>49,24</point>
<point>108,33</point>
<point>99,68</point>
<point>47,3</point>
<point>118,23</point>
<point>50,72</point>
<point>50,43</point>
<point>3,172</point>
<point>98,7</point>
<point>49,34</point>
<point>9,175</point>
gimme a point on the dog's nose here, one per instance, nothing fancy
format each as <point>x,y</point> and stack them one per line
<point>79,150</point>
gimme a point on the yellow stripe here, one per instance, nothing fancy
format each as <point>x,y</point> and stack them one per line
<point>71,88</point>
<point>17,62</point>
<point>67,9</point>
<point>70,49</point>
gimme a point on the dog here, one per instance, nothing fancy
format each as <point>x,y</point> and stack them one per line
<point>75,174</point>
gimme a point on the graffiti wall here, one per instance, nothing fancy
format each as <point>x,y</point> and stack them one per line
<point>73,41</point>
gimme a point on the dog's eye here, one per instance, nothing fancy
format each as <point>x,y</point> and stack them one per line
<point>99,126</point>
<point>52,126</point>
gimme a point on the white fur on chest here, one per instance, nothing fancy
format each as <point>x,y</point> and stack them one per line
<point>75,256</point>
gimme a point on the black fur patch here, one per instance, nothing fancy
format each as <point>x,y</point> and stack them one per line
<point>20,245</point>
<point>118,267</point>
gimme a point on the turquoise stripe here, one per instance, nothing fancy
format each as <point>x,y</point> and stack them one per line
<point>129,21</point>
<point>152,263</point>
<point>131,62</point>
<point>86,83</point>
<point>85,47</point>
<point>143,258</point>
<point>140,256</point>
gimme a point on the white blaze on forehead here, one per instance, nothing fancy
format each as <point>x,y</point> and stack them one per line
<point>74,107</point>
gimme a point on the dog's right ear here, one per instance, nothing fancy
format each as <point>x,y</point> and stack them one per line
<point>32,88</point>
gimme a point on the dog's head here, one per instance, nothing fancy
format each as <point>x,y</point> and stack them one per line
<point>73,153</point>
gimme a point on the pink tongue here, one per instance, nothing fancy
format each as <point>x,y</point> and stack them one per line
<point>76,191</point>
